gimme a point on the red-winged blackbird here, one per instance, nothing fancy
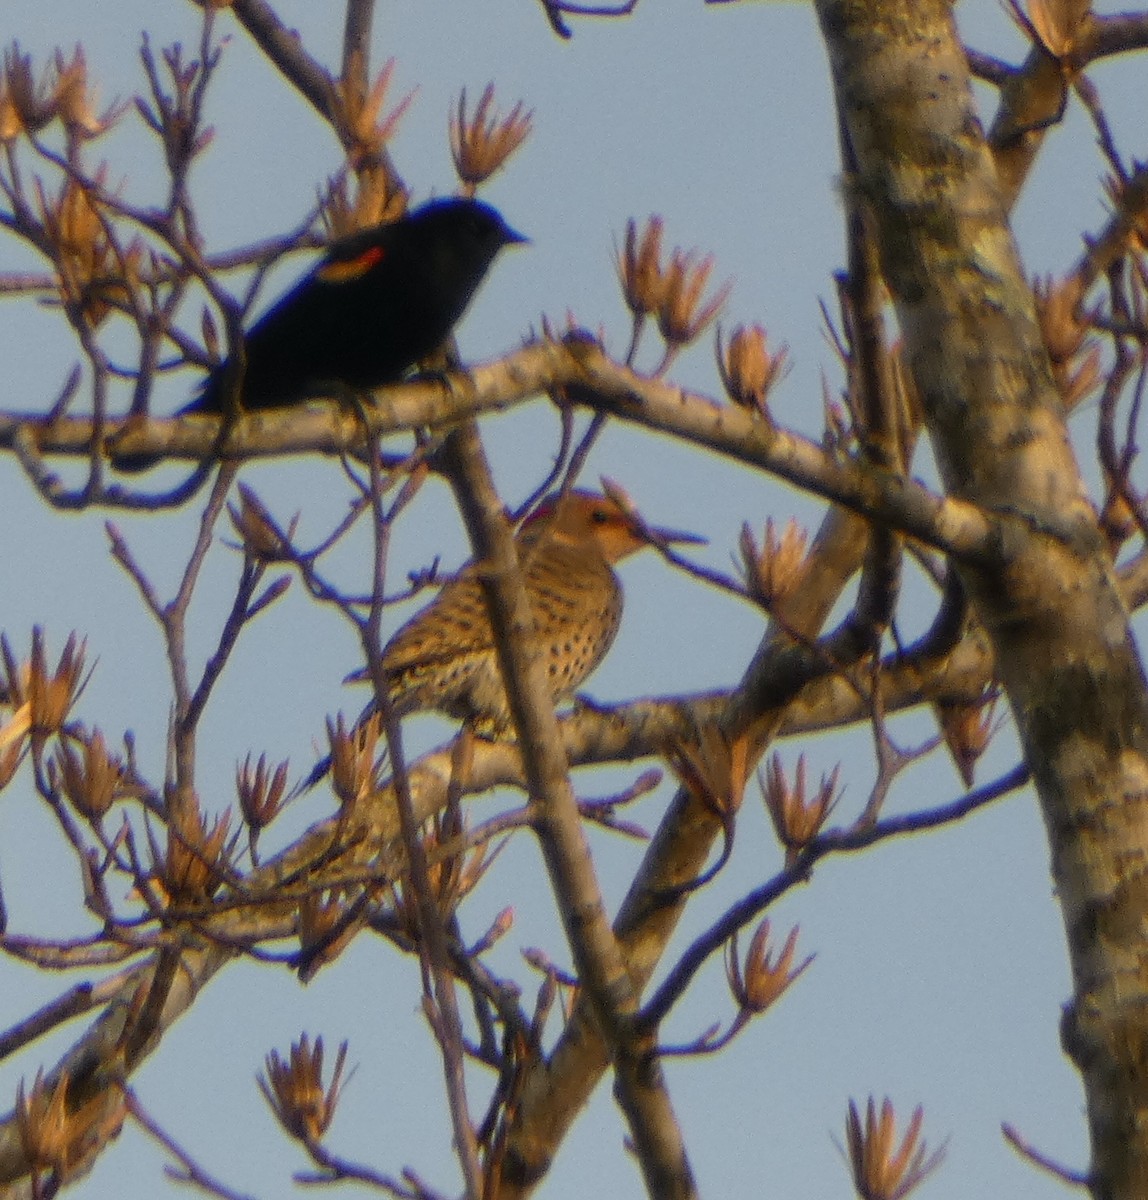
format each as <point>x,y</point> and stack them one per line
<point>379,302</point>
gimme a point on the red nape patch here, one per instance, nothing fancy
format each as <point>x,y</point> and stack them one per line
<point>344,269</point>
<point>543,512</point>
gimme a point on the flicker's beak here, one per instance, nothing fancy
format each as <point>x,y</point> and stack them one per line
<point>672,537</point>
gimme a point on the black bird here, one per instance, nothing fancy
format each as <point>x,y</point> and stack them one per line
<point>380,301</point>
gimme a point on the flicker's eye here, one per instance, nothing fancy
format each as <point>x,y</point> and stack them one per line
<point>600,517</point>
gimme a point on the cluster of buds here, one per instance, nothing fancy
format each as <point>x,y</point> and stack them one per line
<point>796,820</point>
<point>773,570</point>
<point>29,105</point>
<point>672,294</point>
<point>967,730</point>
<point>40,699</point>
<point>712,769</point>
<point>640,268</point>
<point>356,765</point>
<point>1129,198</point>
<point>95,273</point>
<point>92,779</point>
<point>294,1089</point>
<point>263,540</point>
<point>482,143</point>
<point>1074,355</point>
<point>748,369</point>
<point>260,791</point>
<point>366,122</point>
<point>452,875</point>
<point>376,201</point>
<point>56,1134</point>
<point>196,859</point>
<point>766,973</point>
<point>1053,25</point>
<point>880,1169</point>
<point>42,1119</point>
<point>326,924</point>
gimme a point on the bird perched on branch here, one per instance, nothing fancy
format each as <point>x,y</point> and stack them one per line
<point>444,657</point>
<point>379,302</point>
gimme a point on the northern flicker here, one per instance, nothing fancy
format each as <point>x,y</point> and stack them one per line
<point>444,657</point>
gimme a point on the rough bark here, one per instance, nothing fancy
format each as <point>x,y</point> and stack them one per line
<point>1048,595</point>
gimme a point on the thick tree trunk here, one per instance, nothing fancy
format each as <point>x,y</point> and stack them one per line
<point>1047,594</point>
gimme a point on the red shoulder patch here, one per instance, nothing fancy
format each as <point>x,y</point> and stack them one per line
<point>342,270</point>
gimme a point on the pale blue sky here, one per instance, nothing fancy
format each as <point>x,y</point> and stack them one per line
<point>940,968</point>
